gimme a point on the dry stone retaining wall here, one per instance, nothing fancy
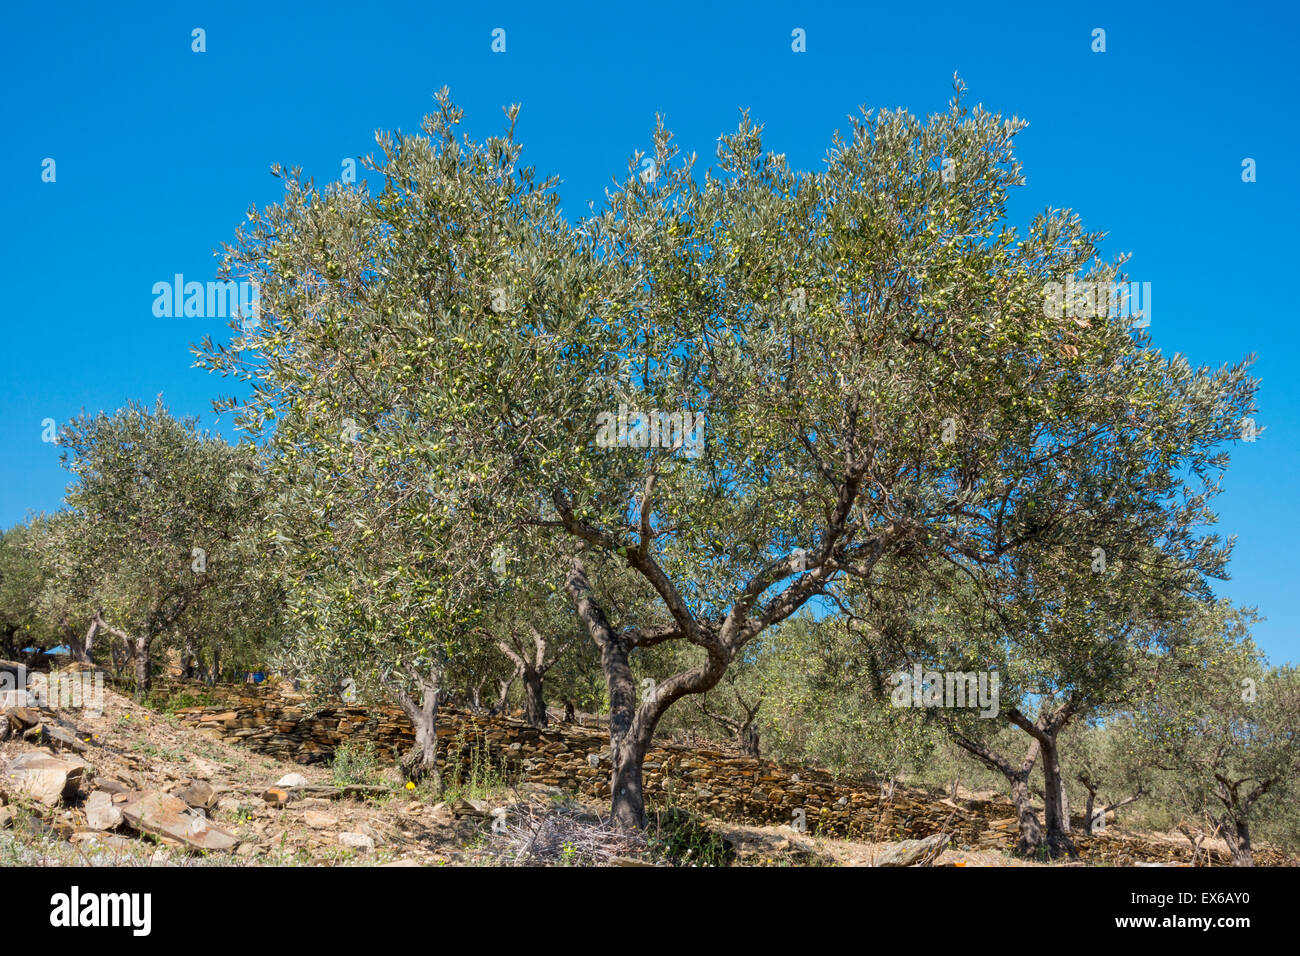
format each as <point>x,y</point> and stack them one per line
<point>725,786</point>
<point>722,785</point>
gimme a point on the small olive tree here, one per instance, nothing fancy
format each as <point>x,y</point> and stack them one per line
<point>158,521</point>
<point>1226,724</point>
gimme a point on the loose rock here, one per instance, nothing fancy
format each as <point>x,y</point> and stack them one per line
<point>101,812</point>
<point>168,817</point>
<point>909,852</point>
<point>42,777</point>
<point>357,841</point>
<point>199,794</point>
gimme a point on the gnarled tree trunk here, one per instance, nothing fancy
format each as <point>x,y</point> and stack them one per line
<point>503,695</point>
<point>1237,835</point>
<point>534,702</point>
<point>1030,837</point>
<point>626,757</point>
<point>745,731</point>
<point>1234,822</point>
<point>531,668</point>
<point>1056,807</point>
<point>476,696</point>
<point>143,672</point>
<point>1094,815</point>
<point>421,761</point>
<point>1030,832</point>
<point>81,646</point>
<point>631,728</point>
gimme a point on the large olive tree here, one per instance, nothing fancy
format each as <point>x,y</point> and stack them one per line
<point>736,390</point>
<point>881,387</point>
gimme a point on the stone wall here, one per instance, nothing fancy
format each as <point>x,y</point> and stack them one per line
<point>725,786</point>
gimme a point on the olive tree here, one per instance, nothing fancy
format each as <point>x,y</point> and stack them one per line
<point>1045,653</point>
<point>738,390</point>
<point>23,576</point>
<point>159,519</point>
<point>1101,756</point>
<point>878,378</point>
<point>1226,724</point>
<point>527,622</point>
<point>367,363</point>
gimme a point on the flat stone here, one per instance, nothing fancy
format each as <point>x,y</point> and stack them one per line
<point>909,852</point>
<point>206,769</point>
<point>357,841</point>
<point>57,738</point>
<point>470,808</point>
<point>43,777</point>
<point>199,794</point>
<point>24,717</point>
<point>166,816</point>
<point>109,785</point>
<point>293,780</point>
<point>101,812</point>
<point>97,840</point>
<point>317,820</point>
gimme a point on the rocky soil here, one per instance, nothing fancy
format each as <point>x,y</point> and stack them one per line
<point>132,786</point>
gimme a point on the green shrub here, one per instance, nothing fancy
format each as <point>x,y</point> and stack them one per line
<point>356,762</point>
<point>679,839</point>
<point>471,771</point>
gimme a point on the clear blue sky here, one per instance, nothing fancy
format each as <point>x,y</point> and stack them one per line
<point>160,150</point>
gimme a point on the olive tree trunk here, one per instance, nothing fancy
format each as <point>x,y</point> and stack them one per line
<point>1234,822</point>
<point>421,761</point>
<point>1030,832</point>
<point>1056,806</point>
<point>534,701</point>
<point>631,727</point>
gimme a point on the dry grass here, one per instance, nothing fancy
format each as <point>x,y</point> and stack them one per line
<point>565,835</point>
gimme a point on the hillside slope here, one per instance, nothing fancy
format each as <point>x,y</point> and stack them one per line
<point>201,788</point>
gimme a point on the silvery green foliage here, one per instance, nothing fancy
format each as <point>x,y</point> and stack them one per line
<point>880,386</point>
<point>375,345</point>
<point>158,537</point>
<point>1220,725</point>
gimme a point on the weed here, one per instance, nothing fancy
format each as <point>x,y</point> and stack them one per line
<point>357,762</point>
<point>678,838</point>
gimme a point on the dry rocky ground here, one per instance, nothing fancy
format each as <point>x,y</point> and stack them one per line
<point>132,786</point>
